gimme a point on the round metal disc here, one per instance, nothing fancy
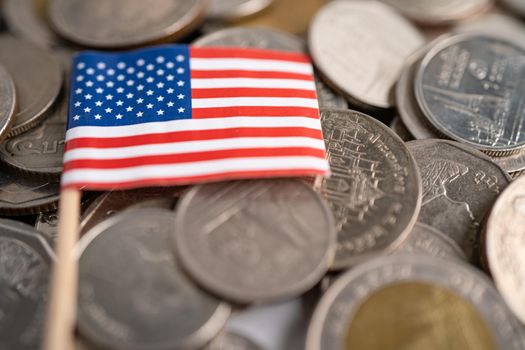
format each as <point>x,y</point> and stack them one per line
<point>7,102</point>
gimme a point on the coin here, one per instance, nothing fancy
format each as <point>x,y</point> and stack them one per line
<point>124,23</point>
<point>432,12</point>
<point>460,185</point>
<point>359,48</point>
<point>511,163</point>
<point>424,239</point>
<point>413,302</point>
<point>494,24</point>
<point>254,241</point>
<point>232,341</point>
<point>505,245</point>
<point>235,9</point>
<point>470,88</point>
<point>25,265</point>
<point>38,79</point>
<point>400,129</point>
<point>374,190</point>
<point>39,151</point>
<point>23,195</point>
<point>270,39</point>
<point>132,293</point>
<point>8,102</point>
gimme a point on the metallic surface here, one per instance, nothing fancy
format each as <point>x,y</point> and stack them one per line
<point>8,102</point>
<point>235,9</point>
<point>232,341</point>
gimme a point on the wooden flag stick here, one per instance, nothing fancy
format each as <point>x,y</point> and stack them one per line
<point>61,313</point>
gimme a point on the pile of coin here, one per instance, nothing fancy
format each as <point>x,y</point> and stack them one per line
<point>415,241</point>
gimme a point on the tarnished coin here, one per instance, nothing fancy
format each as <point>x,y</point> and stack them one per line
<point>232,341</point>
<point>123,23</point>
<point>39,151</point>
<point>374,190</point>
<point>505,245</point>
<point>255,241</point>
<point>132,293</point>
<point>470,87</point>
<point>23,195</point>
<point>460,185</point>
<point>438,12</point>
<point>413,302</point>
<point>270,39</point>
<point>360,46</point>
<point>400,129</point>
<point>38,79</point>
<point>235,9</point>
<point>8,102</point>
<point>424,239</point>
<point>25,265</point>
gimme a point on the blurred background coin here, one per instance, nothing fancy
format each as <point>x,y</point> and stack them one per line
<point>233,341</point>
<point>235,9</point>
<point>373,212</point>
<point>517,6</point>
<point>8,102</point>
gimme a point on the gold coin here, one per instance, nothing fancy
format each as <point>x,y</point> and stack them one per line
<point>415,316</point>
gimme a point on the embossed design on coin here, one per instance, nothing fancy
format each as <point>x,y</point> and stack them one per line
<point>255,240</point>
<point>7,102</point>
<point>121,23</point>
<point>25,264</point>
<point>427,288</point>
<point>460,185</point>
<point>360,47</point>
<point>374,190</point>
<point>133,295</point>
<point>505,245</point>
<point>470,87</point>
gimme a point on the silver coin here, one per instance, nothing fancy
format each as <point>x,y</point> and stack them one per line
<point>460,185</point>
<point>470,88</point>
<point>255,241</point>
<point>439,12</point>
<point>400,129</point>
<point>235,9</point>
<point>23,195</point>
<point>336,312</point>
<point>270,39</point>
<point>424,239</point>
<point>360,47</point>
<point>516,5</point>
<point>494,24</point>
<point>25,265</point>
<point>132,293</point>
<point>374,190</point>
<point>8,102</point>
<point>232,341</point>
<point>511,163</point>
<point>38,79</point>
<point>505,245</point>
<point>39,151</point>
<point>122,23</point>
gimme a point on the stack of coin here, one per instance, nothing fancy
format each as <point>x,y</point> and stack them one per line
<point>414,242</point>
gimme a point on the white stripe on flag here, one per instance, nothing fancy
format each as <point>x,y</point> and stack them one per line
<point>251,64</point>
<point>255,102</point>
<point>261,83</point>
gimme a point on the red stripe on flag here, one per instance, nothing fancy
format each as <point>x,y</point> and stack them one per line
<point>207,74</point>
<point>252,92</point>
<point>192,135</point>
<point>250,111</point>
<point>227,52</point>
<point>171,181</point>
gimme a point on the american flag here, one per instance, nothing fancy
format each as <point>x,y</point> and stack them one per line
<point>176,114</point>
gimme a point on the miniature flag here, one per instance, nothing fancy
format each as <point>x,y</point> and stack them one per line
<point>177,114</point>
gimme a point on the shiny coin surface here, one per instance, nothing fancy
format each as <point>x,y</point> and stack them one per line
<point>130,279</point>
<point>232,341</point>
<point>123,23</point>
<point>435,12</point>
<point>255,241</point>
<point>23,195</point>
<point>470,87</point>
<point>235,9</point>
<point>37,76</point>
<point>25,266</point>
<point>374,190</point>
<point>505,245</point>
<point>413,302</point>
<point>8,102</point>
<point>360,47</point>
<point>39,151</point>
<point>270,39</point>
<point>460,185</point>
<point>424,239</point>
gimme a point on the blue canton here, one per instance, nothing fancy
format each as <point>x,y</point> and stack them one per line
<point>147,85</point>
